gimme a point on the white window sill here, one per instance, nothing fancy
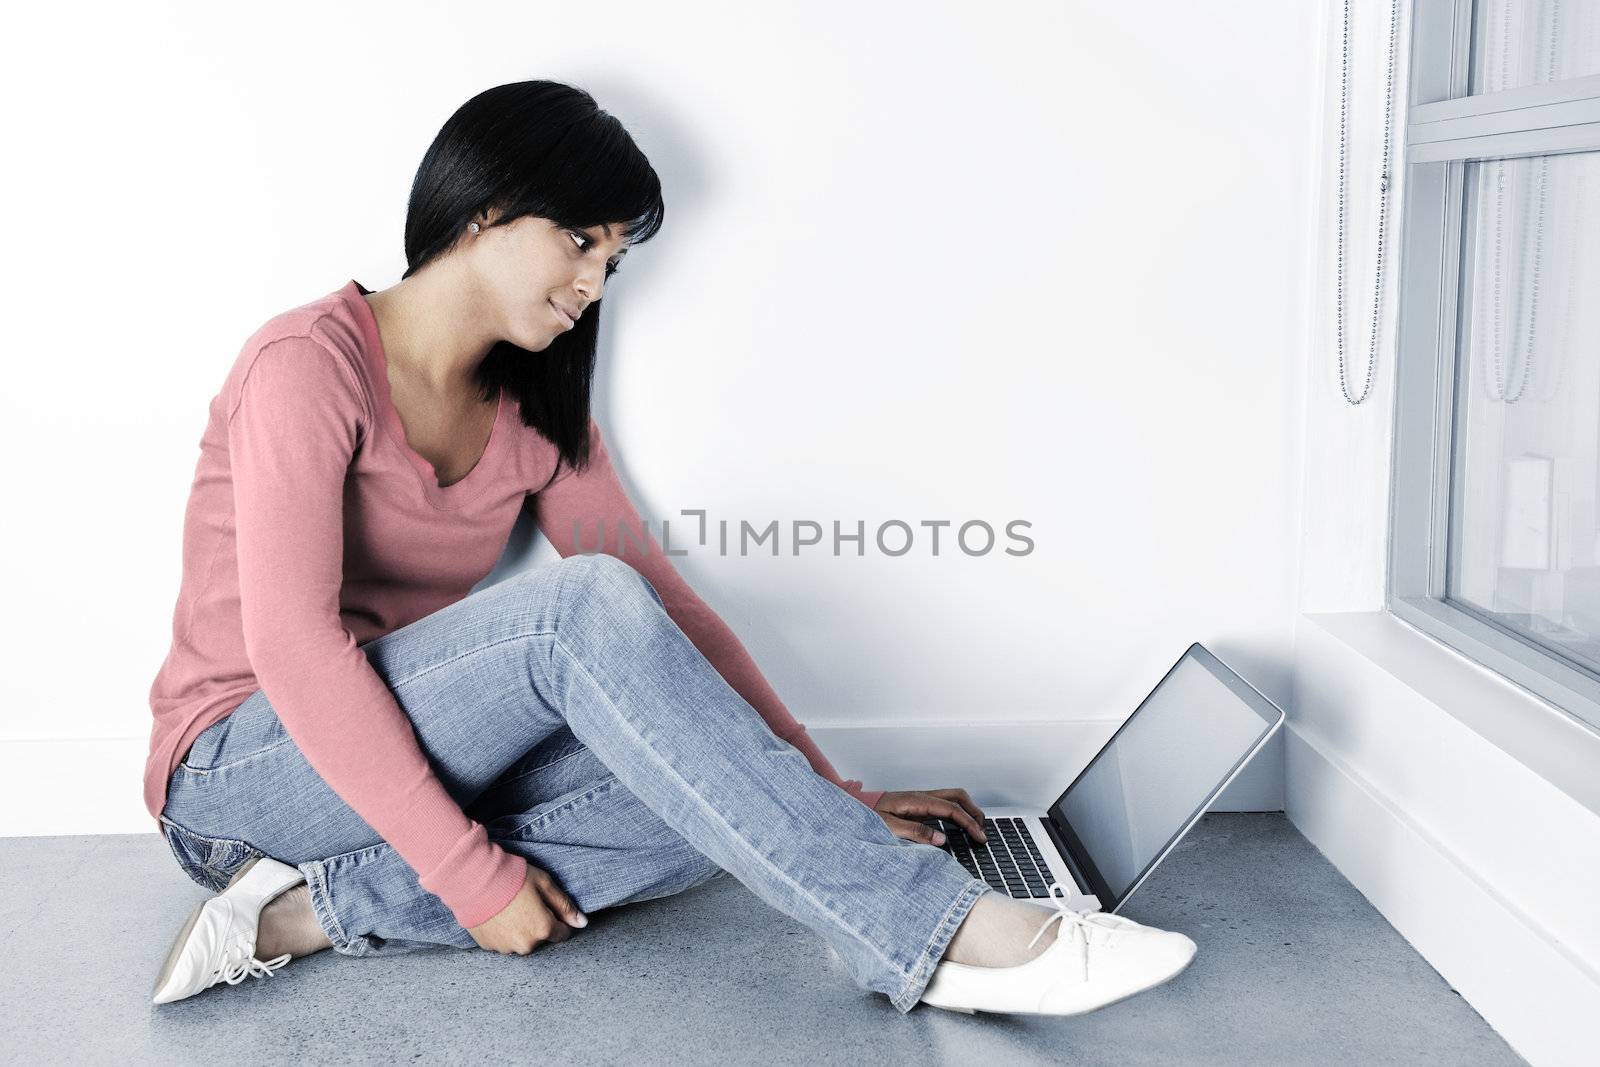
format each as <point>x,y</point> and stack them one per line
<point>1546,740</point>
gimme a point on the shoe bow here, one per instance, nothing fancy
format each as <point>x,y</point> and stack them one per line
<point>1082,922</point>
<point>239,962</point>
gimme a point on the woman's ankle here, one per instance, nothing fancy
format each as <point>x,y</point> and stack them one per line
<point>289,925</point>
<point>996,933</point>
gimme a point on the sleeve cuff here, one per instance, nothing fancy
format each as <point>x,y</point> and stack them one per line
<point>479,884</point>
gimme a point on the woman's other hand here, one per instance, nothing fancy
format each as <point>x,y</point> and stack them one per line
<point>900,810</point>
<point>540,912</point>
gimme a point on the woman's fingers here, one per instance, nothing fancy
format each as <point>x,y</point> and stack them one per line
<point>920,805</point>
<point>933,805</point>
<point>959,795</point>
<point>959,815</point>
<point>564,907</point>
<point>911,830</point>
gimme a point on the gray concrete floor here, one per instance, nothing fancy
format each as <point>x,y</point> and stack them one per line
<point>1294,967</point>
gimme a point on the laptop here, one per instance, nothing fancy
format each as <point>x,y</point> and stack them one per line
<point>1132,804</point>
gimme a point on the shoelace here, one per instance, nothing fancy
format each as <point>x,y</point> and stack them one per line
<point>239,962</point>
<point>1079,920</point>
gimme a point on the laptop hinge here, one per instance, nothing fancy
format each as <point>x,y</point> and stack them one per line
<point>1066,858</point>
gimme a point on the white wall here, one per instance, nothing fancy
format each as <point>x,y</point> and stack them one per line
<point>1045,262</point>
<point>1482,864</point>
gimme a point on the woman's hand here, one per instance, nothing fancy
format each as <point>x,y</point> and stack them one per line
<point>541,911</point>
<point>951,804</point>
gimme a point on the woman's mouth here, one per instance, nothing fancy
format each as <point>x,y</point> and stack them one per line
<point>562,315</point>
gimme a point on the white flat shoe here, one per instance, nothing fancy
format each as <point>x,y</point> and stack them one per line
<point>217,943</point>
<point>1097,959</point>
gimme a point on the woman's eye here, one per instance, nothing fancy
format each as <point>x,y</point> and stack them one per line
<point>611,268</point>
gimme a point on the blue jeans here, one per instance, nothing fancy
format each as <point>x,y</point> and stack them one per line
<point>567,712</point>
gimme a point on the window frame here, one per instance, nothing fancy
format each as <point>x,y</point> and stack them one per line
<point>1445,130</point>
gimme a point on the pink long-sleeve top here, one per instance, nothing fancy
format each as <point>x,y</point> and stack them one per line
<point>312,527</point>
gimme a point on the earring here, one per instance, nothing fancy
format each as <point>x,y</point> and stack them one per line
<point>473,226</point>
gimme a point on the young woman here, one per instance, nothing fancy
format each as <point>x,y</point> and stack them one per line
<point>357,754</point>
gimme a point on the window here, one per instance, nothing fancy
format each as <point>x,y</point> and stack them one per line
<point>1495,532</point>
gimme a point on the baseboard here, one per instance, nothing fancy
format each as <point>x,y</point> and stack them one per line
<point>1007,762</point>
<point>1534,990</point>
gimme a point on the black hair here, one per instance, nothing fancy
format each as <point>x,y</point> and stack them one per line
<point>545,149</point>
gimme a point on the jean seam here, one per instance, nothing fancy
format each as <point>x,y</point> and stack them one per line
<point>468,652</point>
<point>561,584</point>
<point>736,836</point>
<point>210,841</point>
<point>922,972</point>
<point>545,818</point>
<point>568,754</point>
<point>507,780</point>
<point>235,763</point>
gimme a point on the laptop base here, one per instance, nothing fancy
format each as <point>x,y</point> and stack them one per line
<point>1018,858</point>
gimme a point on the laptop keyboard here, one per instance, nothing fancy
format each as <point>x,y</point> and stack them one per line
<point>1009,860</point>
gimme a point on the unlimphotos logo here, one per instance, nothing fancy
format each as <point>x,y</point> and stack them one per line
<point>892,537</point>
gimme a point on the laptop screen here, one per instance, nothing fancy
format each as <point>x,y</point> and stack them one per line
<point>1159,771</point>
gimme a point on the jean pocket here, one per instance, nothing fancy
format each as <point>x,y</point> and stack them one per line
<point>249,730</point>
<point>210,862</point>
<point>202,754</point>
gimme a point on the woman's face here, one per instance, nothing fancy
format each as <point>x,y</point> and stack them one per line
<point>531,267</point>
